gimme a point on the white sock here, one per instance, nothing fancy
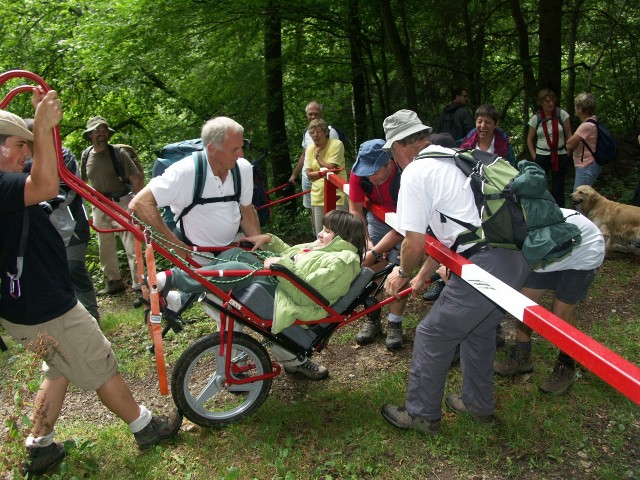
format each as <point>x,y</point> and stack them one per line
<point>142,421</point>
<point>40,441</point>
<point>161,278</point>
<point>393,318</point>
<point>174,300</point>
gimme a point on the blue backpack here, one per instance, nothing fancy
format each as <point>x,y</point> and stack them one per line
<point>606,147</point>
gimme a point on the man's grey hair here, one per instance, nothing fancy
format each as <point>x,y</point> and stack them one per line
<point>314,102</point>
<point>215,131</point>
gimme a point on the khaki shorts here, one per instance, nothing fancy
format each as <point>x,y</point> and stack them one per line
<point>72,346</point>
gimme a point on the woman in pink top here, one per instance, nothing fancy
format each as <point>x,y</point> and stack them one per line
<point>587,170</point>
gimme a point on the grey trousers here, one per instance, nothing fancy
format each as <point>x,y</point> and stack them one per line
<point>464,316</point>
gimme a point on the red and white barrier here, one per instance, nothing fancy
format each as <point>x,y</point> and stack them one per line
<point>621,374</point>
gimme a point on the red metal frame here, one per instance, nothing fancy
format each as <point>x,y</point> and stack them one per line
<point>150,291</point>
<point>610,367</point>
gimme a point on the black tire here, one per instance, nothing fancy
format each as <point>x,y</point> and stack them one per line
<point>198,381</point>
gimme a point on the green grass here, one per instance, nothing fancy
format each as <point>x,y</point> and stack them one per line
<point>326,431</point>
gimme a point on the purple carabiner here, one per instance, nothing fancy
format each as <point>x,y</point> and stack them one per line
<point>14,286</point>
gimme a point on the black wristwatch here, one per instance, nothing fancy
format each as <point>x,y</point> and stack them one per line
<point>377,257</point>
<point>402,274</point>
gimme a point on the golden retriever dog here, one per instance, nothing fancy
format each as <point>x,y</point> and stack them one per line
<point>619,223</point>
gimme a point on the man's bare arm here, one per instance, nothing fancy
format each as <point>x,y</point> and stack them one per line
<point>145,207</point>
<point>249,223</point>
<point>43,182</point>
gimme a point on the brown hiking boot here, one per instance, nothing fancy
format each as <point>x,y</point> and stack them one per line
<point>399,417</point>
<point>455,404</point>
<point>517,362</point>
<point>371,328</point>
<point>112,287</point>
<point>161,427</point>
<point>561,378</point>
<point>394,336</point>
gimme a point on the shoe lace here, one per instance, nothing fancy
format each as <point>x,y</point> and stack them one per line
<point>309,365</point>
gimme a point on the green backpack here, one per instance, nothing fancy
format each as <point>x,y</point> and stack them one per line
<point>515,207</point>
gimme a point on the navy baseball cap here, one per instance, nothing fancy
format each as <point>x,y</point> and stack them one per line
<point>371,158</point>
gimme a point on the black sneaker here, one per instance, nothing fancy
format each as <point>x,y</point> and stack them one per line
<point>41,459</point>
<point>161,427</point>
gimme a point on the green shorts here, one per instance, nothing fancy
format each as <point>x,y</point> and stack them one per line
<point>72,346</point>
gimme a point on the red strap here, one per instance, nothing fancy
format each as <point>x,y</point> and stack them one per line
<point>155,318</point>
<point>553,144</point>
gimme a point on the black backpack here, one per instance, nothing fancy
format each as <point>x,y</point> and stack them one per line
<point>200,163</point>
<point>606,147</point>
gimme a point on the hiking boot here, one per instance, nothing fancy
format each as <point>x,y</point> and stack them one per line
<point>518,361</point>
<point>561,378</point>
<point>161,427</point>
<point>399,417</point>
<point>394,336</point>
<point>456,405</point>
<point>41,459</point>
<point>309,369</point>
<point>371,328</point>
<point>112,287</point>
<point>434,290</point>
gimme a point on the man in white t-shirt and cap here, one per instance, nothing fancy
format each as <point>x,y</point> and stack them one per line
<point>431,189</point>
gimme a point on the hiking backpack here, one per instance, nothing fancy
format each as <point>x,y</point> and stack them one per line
<point>116,160</point>
<point>515,208</point>
<point>175,152</point>
<point>606,147</point>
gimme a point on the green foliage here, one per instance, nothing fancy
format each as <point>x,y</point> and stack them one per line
<point>157,70</point>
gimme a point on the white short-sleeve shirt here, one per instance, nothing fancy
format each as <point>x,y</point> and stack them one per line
<point>431,188</point>
<point>212,224</point>
<point>586,256</point>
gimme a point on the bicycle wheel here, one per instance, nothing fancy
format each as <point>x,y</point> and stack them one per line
<point>198,381</point>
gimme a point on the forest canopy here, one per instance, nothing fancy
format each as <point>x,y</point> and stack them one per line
<point>158,69</point>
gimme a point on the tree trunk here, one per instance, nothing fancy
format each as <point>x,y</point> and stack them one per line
<point>571,56</point>
<point>550,49</point>
<point>402,53</point>
<point>525,62</point>
<point>276,131</point>
<point>357,75</point>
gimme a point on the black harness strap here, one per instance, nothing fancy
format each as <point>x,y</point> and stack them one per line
<point>200,162</point>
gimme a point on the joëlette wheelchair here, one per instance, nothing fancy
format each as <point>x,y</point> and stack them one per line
<point>225,376</point>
